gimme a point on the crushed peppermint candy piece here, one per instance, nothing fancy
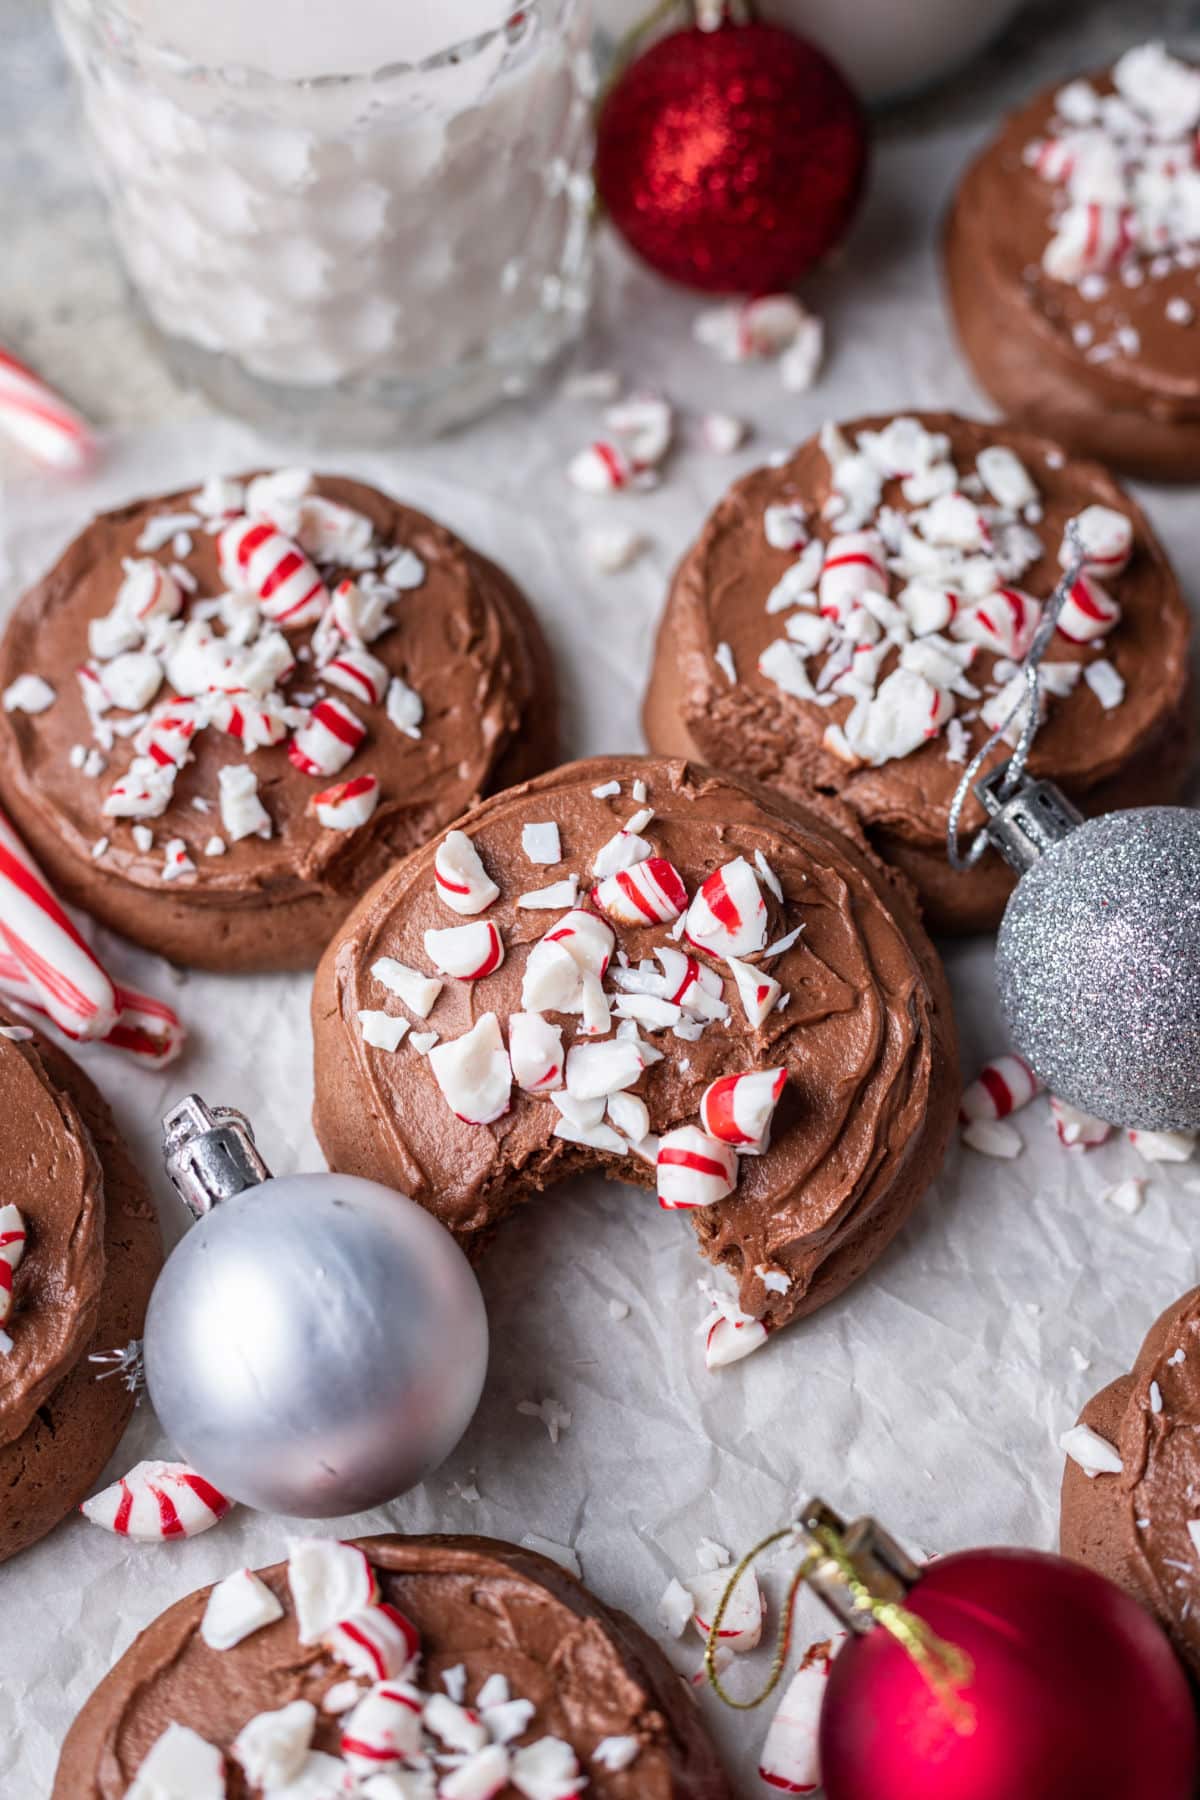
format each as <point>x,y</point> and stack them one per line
<point>535,1049</point>
<point>728,916</point>
<point>405,708</point>
<point>546,1770</point>
<point>468,952</point>
<point>384,1728</point>
<point>242,812</point>
<point>738,1109</point>
<point>29,694</point>
<point>12,1245</point>
<point>1002,1086</point>
<point>785,526</point>
<point>157,1502</point>
<point>273,1747</point>
<point>694,1169</point>
<point>723,657</point>
<point>347,804</point>
<point>176,861</point>
<point>722,433</point>
<point>378,1642</point>
<point>1106,682</point>
<point>462,882</point>
<point>650,892</point>
<point>675,1608</point>
<point>991,1138</point>
<point>731,1336</point>
<point>552,1413</point>
<point>790,1757</point>
<point>1106,537</point>
<point>329,1581</point>
<point>741,1624</point>
<point>179,1762</point>
<point>616,1754</point>
<point>541,842</point>
<point>1077,1129</point>
<point>1128,1196</point>
<point>474,1073</point>
<point>381,1030</point>
<point>257,556</point>
<point>744,330</point>
<point>1093,1453</point>
<point>417,990</point>
<point>1155,1146</point>
<point>553,897</point>
<point>611,548</point>
<point>237,1607</point>
<point>758,992</point>
<point>325,744</point>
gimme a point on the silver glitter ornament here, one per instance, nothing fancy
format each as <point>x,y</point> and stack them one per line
<point>1098,955</point>
<point>316,1344</point>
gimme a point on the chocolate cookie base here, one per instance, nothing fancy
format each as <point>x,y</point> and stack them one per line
<point>56,1461</point>
<point>473,1600</point>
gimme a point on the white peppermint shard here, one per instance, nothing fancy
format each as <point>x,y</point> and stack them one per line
<point>237,1607</point>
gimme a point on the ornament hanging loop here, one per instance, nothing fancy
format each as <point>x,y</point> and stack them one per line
<point>210,1154</point>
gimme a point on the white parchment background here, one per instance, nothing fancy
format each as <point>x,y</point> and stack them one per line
<point>933,1393</point>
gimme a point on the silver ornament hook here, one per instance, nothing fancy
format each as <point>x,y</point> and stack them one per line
<point>210,1154</point>
<point>1002,783</point>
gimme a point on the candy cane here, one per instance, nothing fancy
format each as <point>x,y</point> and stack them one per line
<point>145,1027</point>
<point>69,984</point>
<point>256,556</point>
<point>694,1169</point>
<point>12,1249</point>
<point>1004,622</point>
<point>378,1641</point>
<point>729,1340</point>
<point>357,672</point>
<point>854,565</point>
<point>1089,612</point>
<point>651,893</point>
<point>40,420</point>
<point>384,1728</point>
<point>1001,1087</point>
<point>535,1049</point>
<point>1090,237</point>
<point>348,804</point>
<point>329,1581</point>
<point>790,1755</point>
<point>737,1109</point>
<point>728,917</point>
<point>157,1502</point>
<point>327,742</point>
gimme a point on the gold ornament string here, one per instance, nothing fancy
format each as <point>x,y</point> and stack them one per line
<point>946,1668</point>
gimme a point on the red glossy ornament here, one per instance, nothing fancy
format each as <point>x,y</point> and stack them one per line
<point>731,160</point>
<point>1075,1694</point>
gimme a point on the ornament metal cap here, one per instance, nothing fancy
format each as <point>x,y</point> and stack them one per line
<point>880,1567</point>
<point>1026,820</point>
<point>210,1154</point>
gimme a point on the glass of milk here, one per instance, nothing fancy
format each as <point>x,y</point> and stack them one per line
<point>358,218</point>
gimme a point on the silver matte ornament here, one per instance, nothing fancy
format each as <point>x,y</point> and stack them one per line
<point>1098,955</point>
<point>316,1344</point>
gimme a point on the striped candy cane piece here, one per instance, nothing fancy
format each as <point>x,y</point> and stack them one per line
<point>384,1728</point>
<point>728,917</point>
<point>742,1621</point>
<point>40,421</point>
<point>378,1641</point>
<point>1001,1087</point>
<point>459,1727</point>
<point>1090,237</point>
<point>1089,612</point>
<point>325,745</point>
<point>468,952</point>
<point>758,992</point>
<point>691,984</point>
<point>650,893</point>
<point>68,982</point>
<point>790,1754</point>
<point>738,1108</point>
<point>143,792</point>
<point>256,556</point>
<point>694,1169</point>
<point>600,468</point>
<point>256,720</point>
<point>535,1049</point>
<point>459,876</point>
<point>1106,537</point>
<point>145,1027</point>
<point>166,737</point>
<point>157,1502</point>
<point>486,1773</point>
<point>854,565</point>
<point>1077,1129</point>
<point>348,804</point>
<point>12,1249</point>
<point>729,1339</point>
<point>587,940</point>
<point>329,1581</point>
<point>357,672</point>
<point>1003,622</point>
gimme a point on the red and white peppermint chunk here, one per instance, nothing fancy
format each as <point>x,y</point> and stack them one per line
<point>329,1581</point>
<point>651,893</point>
<point>166,737</point>
<point>379,1642</point>
<point>357,672</point>
<point>1076,1128</point>
<point>1105,537</point>
<point>741,1622</point>
<point>855,564</point>
<point>728,917</point>
<point>157,1502</point>
<point>905,712</point>
<point>694,1169</point>
<point>468,952</point>
<point>1003,622</point>
<point>1089,238</point>
<point>256,720</point>
<point>327,742</point>
<point>600,468</point>
<point>928,606</point>
<point>360,616</point>
<point>587,940</point>
<point>147,592</point>
<point>738,1108</point>
<point>459,1727</point>
<point>732,1335</point>
<point>461,879</point>
<point>417,990</point>
<point>1088,613</point>
<point>1001,1087</point>
<point>689,983</point>
<point>622,851</point>
<point>785,525</point>
<point>257,557</point>
<point>535,1050</point>
<point>180,1761</point>
<point>143,792</point>
<point>348,804</point>
<point>131,680</point>
<point>474,1073</point>
<point>791,1760</point>
<point>12,1249</point>
<point>384,1728</point>
<point>594,1071</point>
<point>758,992</point>
<point>480,1776</point>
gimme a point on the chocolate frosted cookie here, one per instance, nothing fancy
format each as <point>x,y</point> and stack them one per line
<point>399,1669</point>
<point>664,975</point>
<point>227,712</point>
<point>851,622</point>
<point>79,1251</point>
<point>1071,252</point>
<point>1131,1488</point>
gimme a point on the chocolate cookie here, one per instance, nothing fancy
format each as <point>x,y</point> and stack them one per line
<point>715,993</point>
<point>1141,1526</point>
<point>527,1685</point>
<point>89,1255</point>
<point>851,621</point>
<point>1071,252</point>
<point>227,712</point>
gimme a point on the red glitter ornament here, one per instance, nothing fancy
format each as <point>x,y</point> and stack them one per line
<point>731,160</point>
<point>1073,1690</point>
